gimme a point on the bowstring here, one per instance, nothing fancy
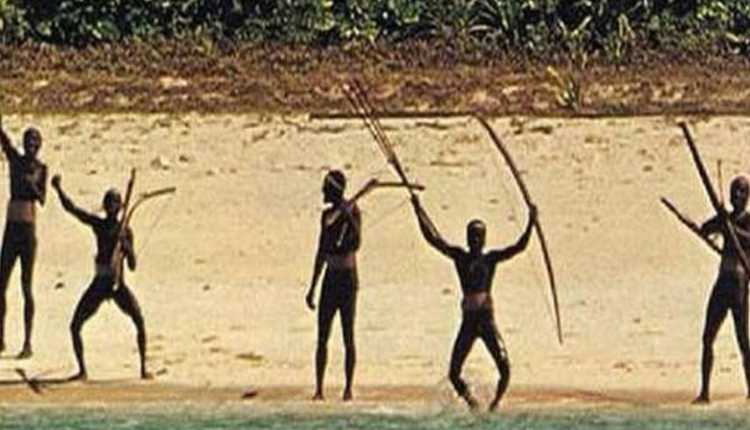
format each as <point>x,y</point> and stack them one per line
<point>539,281</point>
<point>157,220</point>
<point>359,100</point>
<point>383,215</point>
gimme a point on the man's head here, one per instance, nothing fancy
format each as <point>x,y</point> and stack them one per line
<point>333,186</point>
<point>476,232</point>
<point>112,202</point>
<point>32,142</point>
<point>739,192</point>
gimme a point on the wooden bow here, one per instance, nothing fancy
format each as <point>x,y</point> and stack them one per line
<point>117,255</point>
<point>127,215</point>
<point>371,185</point>
<point>537,226</point>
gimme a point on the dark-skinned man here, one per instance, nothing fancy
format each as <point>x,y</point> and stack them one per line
<point>108,282</point>
<point>476,272</point>
<point>729,293</point>
<point>337,246</point>
<point>28,179</point>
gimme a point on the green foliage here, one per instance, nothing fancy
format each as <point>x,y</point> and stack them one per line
<point>513,24</point>
<point>608,28</point>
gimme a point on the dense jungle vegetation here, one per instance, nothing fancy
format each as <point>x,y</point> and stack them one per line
<point>613,30</point>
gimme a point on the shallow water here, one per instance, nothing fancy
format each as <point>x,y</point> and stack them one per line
<point>186,418</point>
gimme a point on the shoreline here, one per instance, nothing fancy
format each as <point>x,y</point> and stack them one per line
<point>415,398</point>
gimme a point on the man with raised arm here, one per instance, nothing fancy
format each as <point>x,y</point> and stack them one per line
<point>476,271</point>
<point>337,246</point>
<point>730,290</point>
<point>108,282</point>
<point>28,179</point>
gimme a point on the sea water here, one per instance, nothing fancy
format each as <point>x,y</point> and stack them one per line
<point>140,418</point>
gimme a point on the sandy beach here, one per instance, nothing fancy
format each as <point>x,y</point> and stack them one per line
<point>225,263</point>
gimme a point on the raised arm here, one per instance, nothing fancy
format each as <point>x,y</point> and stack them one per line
<point>69,206</point>
<point>11,153</point>
<point>429,231</point>
<point>503,254</point>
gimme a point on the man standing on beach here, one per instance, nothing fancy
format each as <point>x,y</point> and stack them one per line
<point>730,290</point>
<point>28,179</point>
<point>108,282</point>
<point>339,240</point>
<point>476,270</point>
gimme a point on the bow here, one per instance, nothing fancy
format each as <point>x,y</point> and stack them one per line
<point>537,226</point>
<point>714,198</point>
<point>147,196</point>
<point>116,259</point>
<point>371,185</point>
<point>127,215</point>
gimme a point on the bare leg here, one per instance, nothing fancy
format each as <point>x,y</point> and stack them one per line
<point>87,307</point>
<point>464,341</point>
<point>326,313</point>
<point>739,315</point>
<point>494,343</point>
<point>348,312</point>
<point>715,315</point>
<point>127,303</point>
<point>27,271</point>
<point>7,259</point>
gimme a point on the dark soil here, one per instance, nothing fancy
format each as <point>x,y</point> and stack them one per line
<point>173,77</point>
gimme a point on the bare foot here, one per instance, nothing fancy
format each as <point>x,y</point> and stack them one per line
<point>701,400</point>
<point>494,404</point>
<point>80,376</point>
<point>25,353</point>
<point>471,401</point>
<point>318,397</point>
<point>347,397</point>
